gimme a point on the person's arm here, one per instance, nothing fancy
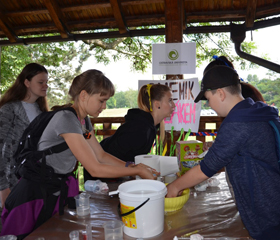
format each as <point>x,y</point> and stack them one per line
<point>102,156</point>
<point>99,163</point>
<point>191,178</point>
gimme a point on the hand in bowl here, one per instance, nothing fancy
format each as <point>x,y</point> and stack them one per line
<point>172,191</point>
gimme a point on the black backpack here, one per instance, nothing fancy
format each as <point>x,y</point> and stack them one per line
<point>27,158</point>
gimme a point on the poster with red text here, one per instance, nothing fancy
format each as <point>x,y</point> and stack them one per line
<point>187,113</point>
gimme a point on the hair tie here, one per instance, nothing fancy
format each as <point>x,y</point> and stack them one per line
<point>218,59</point>
<point>149,94</point>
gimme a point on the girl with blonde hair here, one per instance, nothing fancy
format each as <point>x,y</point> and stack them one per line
<point>137,135</point>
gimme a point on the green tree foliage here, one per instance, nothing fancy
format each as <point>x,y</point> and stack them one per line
<point>270,90</point>
<point>120,100</point>
<point>139,49</point>
<point>111,103</point>
<point>131,98</point>
<point>252,79</point>
<point>64,60</point>
<point>58,58</point>
<point>123,99</point>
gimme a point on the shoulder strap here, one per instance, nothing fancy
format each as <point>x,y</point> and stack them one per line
<point>62,146</point>
<point>69,109</point>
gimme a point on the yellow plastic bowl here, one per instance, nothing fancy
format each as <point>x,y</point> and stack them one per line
<point>176,203</point>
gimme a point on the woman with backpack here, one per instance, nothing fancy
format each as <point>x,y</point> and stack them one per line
<point>21,103</point>
<point>89,92</point>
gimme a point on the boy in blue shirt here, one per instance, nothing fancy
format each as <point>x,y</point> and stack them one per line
<point>247,144</point>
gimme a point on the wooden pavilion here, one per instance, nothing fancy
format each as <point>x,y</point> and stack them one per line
<point>21,21</point>
<point>42,21</point>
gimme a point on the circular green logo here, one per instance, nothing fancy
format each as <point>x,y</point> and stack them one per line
<point>173,54</point>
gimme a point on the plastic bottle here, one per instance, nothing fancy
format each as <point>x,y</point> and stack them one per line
<point>93,185</point>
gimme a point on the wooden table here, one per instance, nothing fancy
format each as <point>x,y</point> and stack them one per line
<point>203,211</point>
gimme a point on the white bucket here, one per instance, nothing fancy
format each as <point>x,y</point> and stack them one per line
<point>145,198</point>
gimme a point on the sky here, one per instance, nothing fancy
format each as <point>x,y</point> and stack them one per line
<point>123,78</point>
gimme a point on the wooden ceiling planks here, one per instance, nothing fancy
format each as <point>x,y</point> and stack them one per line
<point>26,18</point>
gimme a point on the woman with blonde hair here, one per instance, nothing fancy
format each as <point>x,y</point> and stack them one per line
<point>137,135</point>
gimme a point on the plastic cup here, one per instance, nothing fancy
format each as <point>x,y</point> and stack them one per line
<point>113,230</point>
<point>8,237</point>
<point>82,204</point>
<point>74,235</point>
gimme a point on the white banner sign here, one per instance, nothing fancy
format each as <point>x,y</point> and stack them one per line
<point>187,113</point>
<point>174,58</point>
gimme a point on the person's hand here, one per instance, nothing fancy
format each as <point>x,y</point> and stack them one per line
<point>150,168</point>
<point>3,196</point>
<point>172,191</point>
<point>206,146</point>
<point>147,172</point>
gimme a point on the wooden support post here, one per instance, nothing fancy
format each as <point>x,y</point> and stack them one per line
<point>173,34</point>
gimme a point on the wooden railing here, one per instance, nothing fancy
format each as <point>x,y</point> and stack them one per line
<point>107,125</point>
<point>206,125</point>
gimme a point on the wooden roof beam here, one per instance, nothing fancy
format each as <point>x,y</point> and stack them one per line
<point>135,33</point>
<point>174,25</point>
<point>117,11</point>
<point>153,32</point>
<point>173,21</point>
<point>58,18</point>
<point>251,13</point>
<point>6,28</point>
